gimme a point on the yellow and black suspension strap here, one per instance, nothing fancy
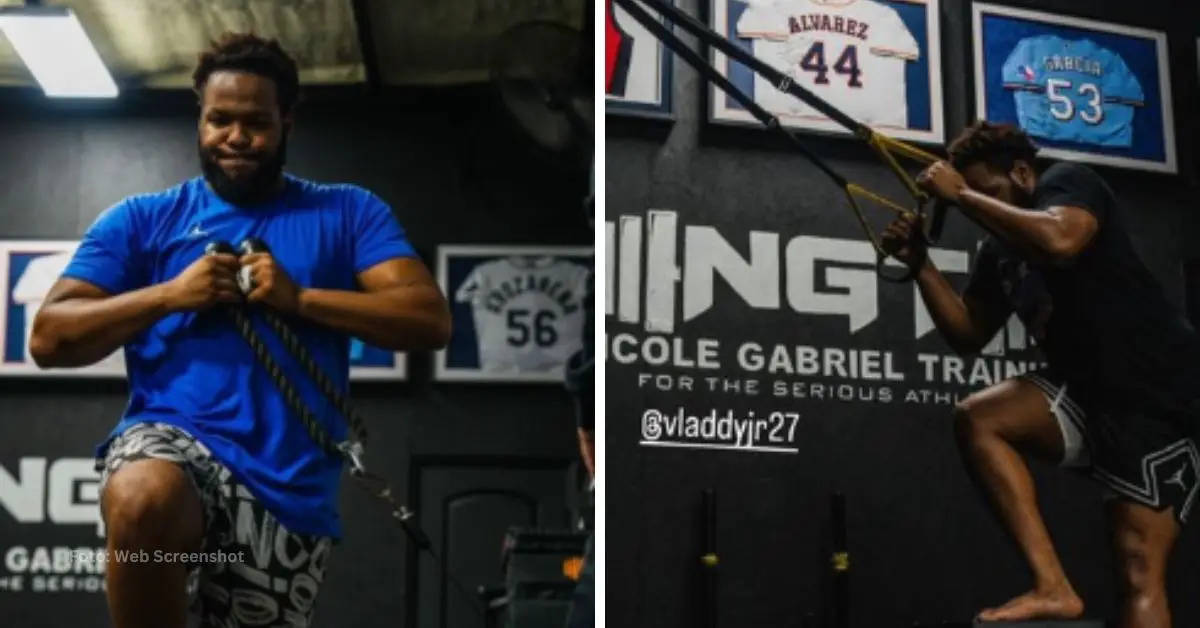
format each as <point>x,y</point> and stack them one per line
<point>885,147</point>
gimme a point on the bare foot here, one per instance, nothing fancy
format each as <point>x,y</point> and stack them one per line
<point>1059,603</point>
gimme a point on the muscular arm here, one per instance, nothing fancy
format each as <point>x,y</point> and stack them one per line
<point>587,450</point>
<point>1056,234</point>
<point>400,307</point>
<point>80,324</point>
<point>966,322</point>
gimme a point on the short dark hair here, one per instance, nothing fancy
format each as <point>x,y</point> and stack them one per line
<point>997,145</point>
<point>247,52</point>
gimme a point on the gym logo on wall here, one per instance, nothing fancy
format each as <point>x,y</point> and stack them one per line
<point>50,519</point>
<point>767,328</point>
<point>28,269</point>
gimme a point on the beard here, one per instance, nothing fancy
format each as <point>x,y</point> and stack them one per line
<point>247,188</point>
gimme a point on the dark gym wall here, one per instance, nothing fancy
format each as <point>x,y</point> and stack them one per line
<point>469,459</point>
<point>922,545</point>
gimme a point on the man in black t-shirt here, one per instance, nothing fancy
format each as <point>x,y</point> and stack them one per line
<point>1119,399</point>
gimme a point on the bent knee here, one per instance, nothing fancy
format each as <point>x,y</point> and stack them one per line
<point>1016,412</point>
<point>152,502</point>
<point>971,422</point>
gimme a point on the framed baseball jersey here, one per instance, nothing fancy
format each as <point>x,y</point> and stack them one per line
<point>29,268</point>
<point>518,311</point>
<point>878,61</point>
<point>637,66</point>
<point>1085,91</point>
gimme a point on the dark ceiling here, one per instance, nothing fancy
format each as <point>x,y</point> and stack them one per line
<point>152,44</point>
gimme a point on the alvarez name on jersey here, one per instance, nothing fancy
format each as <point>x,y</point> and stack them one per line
<point>528,312</point>
<point>1073,91</point>
<point>851,53</point>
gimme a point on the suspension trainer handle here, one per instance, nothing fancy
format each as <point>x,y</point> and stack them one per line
<point>905,275</point>
<point>937,222</point>
<point>930,222</point>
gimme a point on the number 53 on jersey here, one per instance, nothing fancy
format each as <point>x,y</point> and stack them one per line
<point>1073,90</point>
<point>1087,91</point>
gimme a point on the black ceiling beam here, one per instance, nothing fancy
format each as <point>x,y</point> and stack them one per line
<point>366,43</point>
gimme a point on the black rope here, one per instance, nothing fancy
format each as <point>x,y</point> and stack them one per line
<point>349,451</point>
<point>296,349</point>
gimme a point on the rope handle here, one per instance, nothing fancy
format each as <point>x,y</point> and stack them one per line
<point>351,452</point>
<point>300,353</point>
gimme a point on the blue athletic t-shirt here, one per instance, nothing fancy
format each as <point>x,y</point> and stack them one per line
<point>193,370</point>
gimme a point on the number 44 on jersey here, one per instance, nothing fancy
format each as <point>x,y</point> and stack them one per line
<point>853,55</point>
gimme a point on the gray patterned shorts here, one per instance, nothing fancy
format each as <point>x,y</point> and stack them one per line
<point>261,574</point>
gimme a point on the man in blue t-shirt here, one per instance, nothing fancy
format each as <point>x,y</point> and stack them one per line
<point>217,503</point>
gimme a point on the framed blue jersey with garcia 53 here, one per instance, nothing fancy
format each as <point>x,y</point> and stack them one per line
<point>1084,90</point>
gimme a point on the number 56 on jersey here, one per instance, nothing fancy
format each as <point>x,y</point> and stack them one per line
<point>878,61</point>
<point>518,311</point>
<point>1086,91</point>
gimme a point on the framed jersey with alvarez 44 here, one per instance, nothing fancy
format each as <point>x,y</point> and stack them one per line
<point>1086,91</point>
<point>517,310</point>
<point>637,66</point>
<point>878,61</point>
<point>28,269</point>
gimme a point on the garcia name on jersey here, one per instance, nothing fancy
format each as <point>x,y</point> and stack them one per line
<point>1072,91</point>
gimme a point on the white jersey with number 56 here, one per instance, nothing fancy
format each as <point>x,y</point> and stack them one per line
<point>851,53</point>
<point>528,312</point>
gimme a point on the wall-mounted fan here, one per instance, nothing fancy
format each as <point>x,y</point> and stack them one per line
<point>543,76</point>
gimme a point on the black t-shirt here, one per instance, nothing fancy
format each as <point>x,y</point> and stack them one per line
<point>1102,321</point>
